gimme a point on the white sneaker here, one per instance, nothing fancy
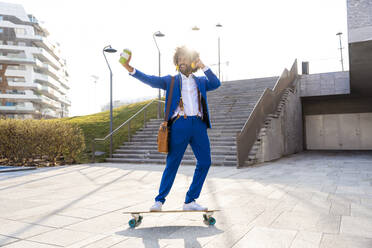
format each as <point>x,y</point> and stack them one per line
<point>194,206</point>
<point>156,207</point>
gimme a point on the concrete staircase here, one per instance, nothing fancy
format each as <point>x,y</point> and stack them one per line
<point>254,154</point>
<point>229,108</point>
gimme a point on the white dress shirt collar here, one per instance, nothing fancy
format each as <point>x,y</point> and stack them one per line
<point>185,77</point>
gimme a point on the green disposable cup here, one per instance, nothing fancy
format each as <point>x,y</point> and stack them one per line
<point>124,56</point>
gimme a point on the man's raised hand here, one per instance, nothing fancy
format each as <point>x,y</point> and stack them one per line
<point>126,64</point>
<point>199,64</point>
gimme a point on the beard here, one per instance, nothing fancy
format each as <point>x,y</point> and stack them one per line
<point>185,69</point>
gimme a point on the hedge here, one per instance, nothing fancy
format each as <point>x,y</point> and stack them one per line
<point>39,142</point>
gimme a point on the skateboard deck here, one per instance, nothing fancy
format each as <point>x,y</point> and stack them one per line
<point>137,215</point>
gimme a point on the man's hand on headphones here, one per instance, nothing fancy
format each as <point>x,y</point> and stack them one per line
<point>199,64</point>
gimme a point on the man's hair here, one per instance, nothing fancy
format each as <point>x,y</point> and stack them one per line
<point>183,50</point>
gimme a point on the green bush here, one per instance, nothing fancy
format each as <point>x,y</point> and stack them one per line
<point>40,142</point>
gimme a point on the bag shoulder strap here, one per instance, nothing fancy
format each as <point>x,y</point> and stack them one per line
<point>169,100</point>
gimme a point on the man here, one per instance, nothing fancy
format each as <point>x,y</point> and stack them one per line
<point>188,120</point>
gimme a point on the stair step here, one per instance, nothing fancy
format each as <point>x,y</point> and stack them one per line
<point>155,151</point>
<point>162,161</point>
<point>154,147</point>
<point>138,138</point>
<point>220,143</point>
<point>163,156</point>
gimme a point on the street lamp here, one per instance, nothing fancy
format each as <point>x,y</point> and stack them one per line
<point>342,60</point>
<point>95,79</point>
<point>158,34</point>
<point>219,53</point>
<point>109,49</point>
<point>218,25</point>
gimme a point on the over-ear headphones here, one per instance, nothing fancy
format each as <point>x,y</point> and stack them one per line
<point>193,66</point>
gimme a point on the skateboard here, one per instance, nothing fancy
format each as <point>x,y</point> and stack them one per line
<point>137,216</point>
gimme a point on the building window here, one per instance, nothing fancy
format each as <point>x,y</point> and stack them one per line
<point>21,43</point>
<point>10,104</point>
<point>21,31</point>
<point>1,18</point>
<point>1,30</point>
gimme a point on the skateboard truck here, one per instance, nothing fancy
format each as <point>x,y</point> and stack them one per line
<point>208,219</point>
<point>136,221</point>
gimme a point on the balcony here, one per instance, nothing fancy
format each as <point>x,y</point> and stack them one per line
<point>51,114</point>
<point>17,109</point>
<point>47,79</point>
<point>22,85</point>
<point>15,73</point>
<point>50,70</point>
<point>50,92</point>
<point>64,100</point>
<point>44,56</point>
<point>49,102</point>
<point>19,97</point>
<point>64,82</point>
<point>47,45</point>
<point>16,60</point>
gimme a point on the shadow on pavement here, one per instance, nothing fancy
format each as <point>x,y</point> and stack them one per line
<point>151,235</point>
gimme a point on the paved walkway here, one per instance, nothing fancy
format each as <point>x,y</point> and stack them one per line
<point>305,200</point>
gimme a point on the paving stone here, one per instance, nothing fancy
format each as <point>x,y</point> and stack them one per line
<point>308,221</point>
<point>52,220</point>
<point>344,241</point>
<point>29,244</point>
<point>60,237</point>
<point>6,240</point>
<point>361,210</point>
<point>306,239</point>
<point>21,230</point>
<point>356,226</point>
<point>267,237</point>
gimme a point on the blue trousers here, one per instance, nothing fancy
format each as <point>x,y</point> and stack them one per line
<point>193,131</point>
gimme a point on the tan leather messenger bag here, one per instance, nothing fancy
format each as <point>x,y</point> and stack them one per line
<point>163,132</point>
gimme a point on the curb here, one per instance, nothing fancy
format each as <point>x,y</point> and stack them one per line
<point>4,169</point>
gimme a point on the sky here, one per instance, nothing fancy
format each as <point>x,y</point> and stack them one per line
<point>258,39</point>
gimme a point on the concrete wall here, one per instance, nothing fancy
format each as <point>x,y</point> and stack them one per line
<point>359,16</point>
<point>339,131</point>
<point>284,135</point>
<point>322,84</point>
<point>336,105</point>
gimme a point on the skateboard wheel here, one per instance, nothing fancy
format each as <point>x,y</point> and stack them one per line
<point>132,223</point>
<point>211,221</point>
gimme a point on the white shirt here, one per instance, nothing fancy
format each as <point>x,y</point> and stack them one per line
<point>189,96</point>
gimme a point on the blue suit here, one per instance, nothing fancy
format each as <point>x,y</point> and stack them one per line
<point>192,130</point>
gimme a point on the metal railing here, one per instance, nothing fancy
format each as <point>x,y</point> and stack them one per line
<point>127,122</point>
<point>266,105</point>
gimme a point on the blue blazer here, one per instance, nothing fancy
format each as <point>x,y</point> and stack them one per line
<point>205,83</point>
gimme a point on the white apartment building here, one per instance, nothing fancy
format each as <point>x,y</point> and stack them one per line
<point>33,77</point>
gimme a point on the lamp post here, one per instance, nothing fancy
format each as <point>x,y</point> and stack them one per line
<point>95,79</point>
<point>219,53</point>
<point>158,34</point>
<point>109,49</point>
<point>342,60</point>
<point>218,25</point>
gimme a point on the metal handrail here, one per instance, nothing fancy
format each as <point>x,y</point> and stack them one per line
<point>123,124</point>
